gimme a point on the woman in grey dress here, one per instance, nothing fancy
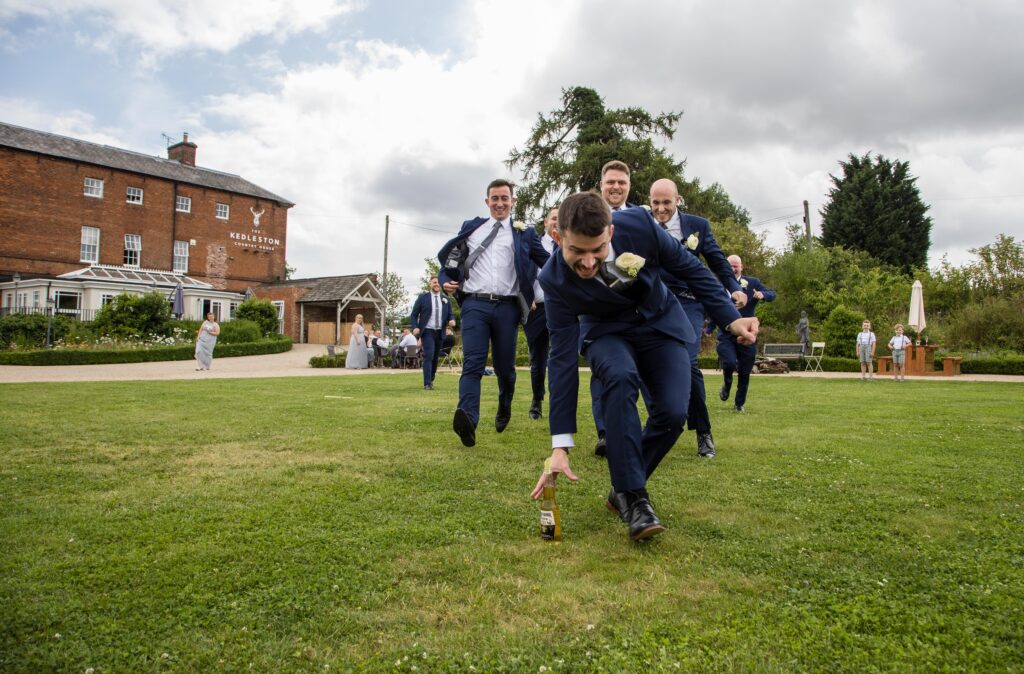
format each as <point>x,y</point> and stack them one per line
<point>206,339</point>
<point>356,359</point>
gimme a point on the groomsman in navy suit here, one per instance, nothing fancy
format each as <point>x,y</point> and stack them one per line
<point>615,186</point>
<point>536,328</point>
<point>737,356</point>
<point>431,314</point>
<point>604,298</point>
<point>694,233</point>
<point>490,265</point>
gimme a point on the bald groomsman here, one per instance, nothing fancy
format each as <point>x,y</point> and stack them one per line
<point>737,356</point>
<point>694,233</point>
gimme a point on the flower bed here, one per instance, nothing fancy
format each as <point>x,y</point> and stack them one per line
<point>139,353</point>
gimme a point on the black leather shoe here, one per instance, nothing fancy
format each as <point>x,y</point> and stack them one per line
<point>535,410</point>
<point>428,387</point>
<point>463,426</point>
<point>616,503</point>
<point>739,409</point>
<point>724,393</point>
<point>601,448</point>
<point>502,418</point>
<point>705,445</point>
<point>643,522</point>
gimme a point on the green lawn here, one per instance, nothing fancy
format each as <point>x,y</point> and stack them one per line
<point>336,523</point>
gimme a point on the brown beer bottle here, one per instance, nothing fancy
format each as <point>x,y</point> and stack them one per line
<point>550,514</point>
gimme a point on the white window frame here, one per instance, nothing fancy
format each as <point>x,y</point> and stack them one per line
<point>183,204</point>
<point>232,310</point>
<point>134,195</point>
<point>279,305</point>
<point>133,244</point>
<point>179,263</point>
<point>90,244</point>
<point>223,211</point>
<point>59,295</point>
<point>93,187</point>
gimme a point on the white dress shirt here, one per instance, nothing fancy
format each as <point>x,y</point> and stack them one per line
<point>675,226</point>
<point>407,340</point>
<point>436,311</point>
<point>495,270</point>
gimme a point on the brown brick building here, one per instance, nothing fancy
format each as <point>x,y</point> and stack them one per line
<point>110,220</point>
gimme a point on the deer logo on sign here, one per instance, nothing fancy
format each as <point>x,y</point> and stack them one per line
<point>256,215</point>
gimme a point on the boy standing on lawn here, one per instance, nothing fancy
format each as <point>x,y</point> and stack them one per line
<point>898,346</point>
<point>866,351</point>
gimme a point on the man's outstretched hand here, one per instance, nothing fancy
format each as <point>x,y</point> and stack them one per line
<point>559,464</point>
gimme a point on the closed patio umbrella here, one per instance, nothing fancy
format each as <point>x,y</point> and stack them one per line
<point>916,319</point>
<point>178,301</point>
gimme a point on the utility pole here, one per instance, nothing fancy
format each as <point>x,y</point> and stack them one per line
<point>384,281</point>
<point>807,223</point>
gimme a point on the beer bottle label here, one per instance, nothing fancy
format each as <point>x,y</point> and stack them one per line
<point>547,525</point>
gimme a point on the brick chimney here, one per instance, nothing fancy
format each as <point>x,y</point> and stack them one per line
<point>183,152</point>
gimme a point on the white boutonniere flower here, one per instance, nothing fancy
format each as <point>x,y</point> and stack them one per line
<point>444,300</point>
<point>519,226</point>
<point>692,241</point>
<point>743,283</point>
<point>630,263</point>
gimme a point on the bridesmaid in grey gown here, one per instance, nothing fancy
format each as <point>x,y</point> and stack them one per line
<point>206,339</point>
<point>356,359</point>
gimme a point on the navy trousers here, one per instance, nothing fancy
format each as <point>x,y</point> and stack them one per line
<point>736,357</point>
<point>697,418</point>
<point>487,324</point>
<point>619,362</point>
<point>538,341</point>
<point>431,340</point>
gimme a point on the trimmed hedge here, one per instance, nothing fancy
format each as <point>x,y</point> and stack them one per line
<point>327,361</point>
<point>1007,364</point>
<point>165,353</point>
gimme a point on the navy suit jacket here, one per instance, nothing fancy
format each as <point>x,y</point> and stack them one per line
<point>581,310</point>
<point>529,257</point>
<point>706,247</point>
<point>423,309</point>
<point>754,283</point>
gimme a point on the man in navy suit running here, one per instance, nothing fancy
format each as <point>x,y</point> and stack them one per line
<point>431,314</point>
<point>694,233</point>
<point>737,356</point>
<point>605,299</point>
<point>490,265</point>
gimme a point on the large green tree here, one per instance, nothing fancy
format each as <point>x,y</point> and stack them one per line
<point>875,206</point>
<point>567,148</point>
<point>393,290</point>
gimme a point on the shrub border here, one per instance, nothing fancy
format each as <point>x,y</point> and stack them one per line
<point>154,354</point>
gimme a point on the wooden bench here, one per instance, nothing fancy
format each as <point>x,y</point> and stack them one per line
<point>783,351</point>
<point>951,365</point>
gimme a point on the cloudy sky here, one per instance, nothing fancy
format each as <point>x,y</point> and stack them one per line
<point>355,109</point>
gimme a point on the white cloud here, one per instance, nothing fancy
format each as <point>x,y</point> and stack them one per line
<point>167,26</point>
<point>775,95</point>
